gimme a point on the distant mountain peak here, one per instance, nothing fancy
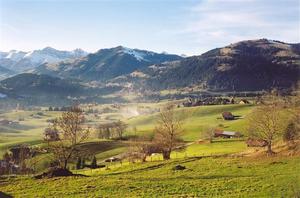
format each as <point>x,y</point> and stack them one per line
<point>21,61</point>
<point>48,48</point>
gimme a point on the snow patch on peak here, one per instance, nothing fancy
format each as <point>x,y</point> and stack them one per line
<point>140,56</point>
<point>15,55</point>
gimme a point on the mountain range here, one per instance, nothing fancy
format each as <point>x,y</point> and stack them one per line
<point>252,65</point>
<point>105,64</point>
<point>19,61</point>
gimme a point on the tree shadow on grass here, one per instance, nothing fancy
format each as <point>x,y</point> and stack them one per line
<point>4,195</point>
<point>217,177</point>
<point>237,117</point>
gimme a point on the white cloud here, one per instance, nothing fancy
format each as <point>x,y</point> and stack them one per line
<point>220,22</point>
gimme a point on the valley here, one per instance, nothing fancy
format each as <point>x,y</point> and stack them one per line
<point>101,123</point>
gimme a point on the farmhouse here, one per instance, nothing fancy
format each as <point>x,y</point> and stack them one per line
<point>227,134</point>
<point>244,101</point>
<point>8,122</point>
<point>4,122</point>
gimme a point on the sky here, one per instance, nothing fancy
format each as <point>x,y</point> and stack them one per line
<point>189,27</point>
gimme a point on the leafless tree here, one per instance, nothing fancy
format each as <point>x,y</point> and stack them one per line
<point>208,133</point>
<point>267,121</point>
<point>168,131</point>
<point>71,133</point>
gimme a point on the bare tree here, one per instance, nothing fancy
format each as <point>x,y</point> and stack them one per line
<point>168,130</point>
<point>267,121</point>
<point>208,133</point>
<point>71,133</point>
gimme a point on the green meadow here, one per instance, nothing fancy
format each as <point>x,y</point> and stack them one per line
<point>212,169</point>
<point>203,177</point>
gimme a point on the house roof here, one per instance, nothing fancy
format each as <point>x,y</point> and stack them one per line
<point>229,133</point>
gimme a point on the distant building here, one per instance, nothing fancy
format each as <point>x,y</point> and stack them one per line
<point>227,134</point>
<point>244,101</point>
<point>4,122</point>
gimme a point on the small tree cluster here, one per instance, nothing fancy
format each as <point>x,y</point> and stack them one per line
<point>80,164</point>
<point>94,163</point>
<point>17,160</point>
<point>111,130</point>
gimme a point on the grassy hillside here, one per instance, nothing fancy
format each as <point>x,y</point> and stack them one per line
<point>204,177</point>
<point>195,118</point>
<point>31,129</point>
<point>212,170</point>
<point>28,131</point>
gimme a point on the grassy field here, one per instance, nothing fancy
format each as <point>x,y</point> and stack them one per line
<point>195,118</point>
<point>212,170</point>
<point>31,129</point>
<point>203,177</point>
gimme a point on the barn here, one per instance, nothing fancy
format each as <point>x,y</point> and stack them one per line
<point>227,134</point>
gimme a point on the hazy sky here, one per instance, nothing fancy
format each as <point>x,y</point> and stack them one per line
<point>175,26</point>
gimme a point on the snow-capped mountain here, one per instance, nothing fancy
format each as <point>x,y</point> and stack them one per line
<point>138,54</point>
<point>20,61</point>
<point>105,64</point>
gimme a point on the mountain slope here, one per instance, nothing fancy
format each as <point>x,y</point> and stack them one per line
<point>27,84</point>
<point>35,89</point>
<point>20,61</point>
<point>253,65</point>
<point>4,73</point>
<point>105,64</point>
